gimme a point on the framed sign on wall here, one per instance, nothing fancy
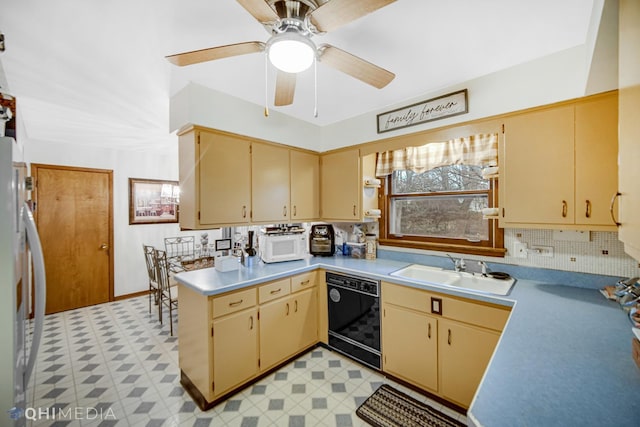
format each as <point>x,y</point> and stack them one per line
<point>153,201</point>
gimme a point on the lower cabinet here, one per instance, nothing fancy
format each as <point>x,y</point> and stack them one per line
<point>235,350</point>
<point>230,339</point>
<point>437,342</point>
<point>464,353</point>
<point>415,331</point>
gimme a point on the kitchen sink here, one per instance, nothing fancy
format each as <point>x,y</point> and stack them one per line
<point>456,279</point>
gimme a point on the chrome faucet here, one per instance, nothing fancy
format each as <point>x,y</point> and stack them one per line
<point>458,264</point>
<point>484,267</point>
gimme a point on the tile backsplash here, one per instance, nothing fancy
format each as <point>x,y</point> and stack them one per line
<point>602,254</point>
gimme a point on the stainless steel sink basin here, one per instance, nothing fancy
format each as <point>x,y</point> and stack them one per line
<point>462,280</point>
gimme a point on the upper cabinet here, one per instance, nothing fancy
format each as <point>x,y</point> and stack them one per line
<point>558,166</point>
<point>215,179</point>
<point>341,186</point>
<point>629,125</point>
<point>228,179</point>
<point>270,194</point>
<point>305,185</point>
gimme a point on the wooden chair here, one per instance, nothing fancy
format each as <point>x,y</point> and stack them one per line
<point>179,249</point>
<point>154,288</point>
<point>168,293</point>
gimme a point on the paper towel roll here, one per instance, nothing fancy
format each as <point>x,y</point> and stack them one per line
<point>372,212</point>
<point>372,181</point>
<point>490,211</point>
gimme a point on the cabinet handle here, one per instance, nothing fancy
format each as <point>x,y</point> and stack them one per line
<point>244,212</point>
<point>287,309</point>
<point>295,306</point>
<point>305,283</point>
<point>284,211</point>
<point>449,337</point>
<point>235,303</point>
<point>429,333</point>
<point>295,210</point>
<point>565,207</point>
<point>354,210</point>
<point>587,213</point>
<point>250,323</point>
<point>276,291</point>
<point>613,201</point>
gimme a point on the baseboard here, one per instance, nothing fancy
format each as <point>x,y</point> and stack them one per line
<point>133,295</point>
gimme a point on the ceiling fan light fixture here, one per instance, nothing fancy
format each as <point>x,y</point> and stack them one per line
<point>291,52</point>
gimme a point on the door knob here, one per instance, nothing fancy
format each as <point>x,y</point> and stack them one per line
<point>104,246</point>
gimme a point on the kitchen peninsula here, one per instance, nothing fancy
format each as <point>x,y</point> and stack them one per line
<point>564,357</point>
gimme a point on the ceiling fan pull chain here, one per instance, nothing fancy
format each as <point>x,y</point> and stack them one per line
<point>266,84</point>
<point>315,85</point>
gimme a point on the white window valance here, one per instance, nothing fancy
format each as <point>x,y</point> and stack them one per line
<point>480,150</point>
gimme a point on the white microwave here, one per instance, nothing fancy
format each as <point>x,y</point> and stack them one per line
<point>282,247</point>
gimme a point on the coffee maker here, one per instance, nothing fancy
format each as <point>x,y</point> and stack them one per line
<point>322,239</point>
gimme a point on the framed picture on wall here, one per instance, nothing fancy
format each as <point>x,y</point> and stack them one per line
<point>153,201</point>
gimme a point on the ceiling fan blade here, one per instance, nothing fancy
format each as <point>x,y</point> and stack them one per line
<point>260,10</point>
<point>337,13</point>
<point>354,66</point>
<point>285,88</point>
<point>213,53</point>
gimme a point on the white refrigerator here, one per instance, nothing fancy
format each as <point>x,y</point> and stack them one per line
<point>22,286</point>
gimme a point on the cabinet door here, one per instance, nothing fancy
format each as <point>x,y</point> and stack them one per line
<point>629,109</point>
<point>305,185</point>
<point>340,185</point>
<point>270,183</point>
<point>596,159</point>
<point>537,167</point>
<point>410,346</point>
<point>464,353</point>
<point>225,185</point>
<point>275,332</point>
<point>235,350</point>
<point>304,327</point>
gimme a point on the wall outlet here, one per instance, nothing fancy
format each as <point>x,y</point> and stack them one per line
<point>542,250</point>
<point>520,250</point>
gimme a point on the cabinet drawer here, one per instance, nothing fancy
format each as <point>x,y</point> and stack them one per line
<point>236,301</point>
<point>478,314</point>
<point>405,296</point>
<point>274,290</point>
<point>303,281</point>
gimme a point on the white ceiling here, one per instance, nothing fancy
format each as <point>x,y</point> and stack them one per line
<point>93,71</point>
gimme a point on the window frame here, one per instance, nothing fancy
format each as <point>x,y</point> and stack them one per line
<point>494,246</point>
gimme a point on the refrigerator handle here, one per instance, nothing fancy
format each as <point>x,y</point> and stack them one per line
<point>40,287</point>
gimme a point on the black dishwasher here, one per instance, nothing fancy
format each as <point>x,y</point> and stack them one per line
<point>354,317</point>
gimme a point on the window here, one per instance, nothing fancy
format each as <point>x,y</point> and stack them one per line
<point>440,209</point>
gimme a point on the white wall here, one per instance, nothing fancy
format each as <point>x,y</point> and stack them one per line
<point>130,273</point>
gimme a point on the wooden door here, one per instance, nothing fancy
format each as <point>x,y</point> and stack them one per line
<point>75,222</point>
<point>269,183</point>
<point>464,353</point>
<point>596,159</point>
<point>305,186</point>
<point>225,179</point>
<point>538,167</point>
<point>340,185</point>
<point>410,346</point>
<point>235,350</point>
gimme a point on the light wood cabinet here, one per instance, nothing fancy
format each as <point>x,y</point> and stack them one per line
<point>235,350</point>
<point>305,186</point>
<point>340,186</point>
<point>270,182</point>
<point>437,342</point>
<point>629,126</point>
<point>405,329</point>
<point>464,353</point>
<point>558,165</point>
<point>215,179</point>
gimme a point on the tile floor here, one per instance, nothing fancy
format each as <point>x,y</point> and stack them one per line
<point>114,364</point>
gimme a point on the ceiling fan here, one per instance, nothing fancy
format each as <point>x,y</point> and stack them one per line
<point>290,49</point>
